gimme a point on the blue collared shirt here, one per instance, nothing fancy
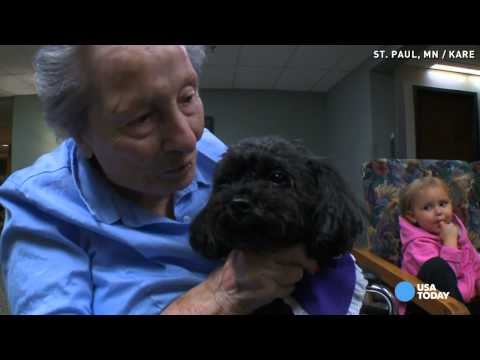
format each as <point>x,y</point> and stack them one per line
<point>71,245</point>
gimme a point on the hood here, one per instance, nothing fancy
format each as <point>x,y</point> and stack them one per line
<point>410,232</point>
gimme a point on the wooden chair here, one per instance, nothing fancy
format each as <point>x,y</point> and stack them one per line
<point>382,179</point>
<point>391,275</point>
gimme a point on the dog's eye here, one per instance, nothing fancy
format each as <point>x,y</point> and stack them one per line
<point>280,178</point>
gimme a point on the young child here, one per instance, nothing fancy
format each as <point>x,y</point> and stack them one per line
<point>435,243</point>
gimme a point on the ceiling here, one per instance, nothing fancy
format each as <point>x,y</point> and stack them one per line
<point>315,68</point>
<point>312,68</point>
<point>266,67</point>
<point>282,67</point>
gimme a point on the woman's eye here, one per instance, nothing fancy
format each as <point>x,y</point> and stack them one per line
<point>189,98</point>
<point>140,120</point>
<point>140,126</point>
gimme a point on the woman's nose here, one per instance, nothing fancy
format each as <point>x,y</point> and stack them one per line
<point>179,136</point>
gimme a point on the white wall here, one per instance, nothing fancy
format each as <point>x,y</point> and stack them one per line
<point>350,126</point>
<point>337,125</point>
<point>383,114</point>
<point>244,113</point>
<point>31,137</point>
<point>408,76</point>
<point>238,114</point>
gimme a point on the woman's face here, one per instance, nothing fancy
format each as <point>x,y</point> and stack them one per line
<point>431,206</point>
<point>147,117</point>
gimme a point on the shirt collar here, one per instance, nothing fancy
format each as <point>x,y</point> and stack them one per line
<point>106,205</point>
<point>200,177</point>
<point>93,189</point>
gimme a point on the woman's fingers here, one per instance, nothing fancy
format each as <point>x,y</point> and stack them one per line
<point>296,256</point>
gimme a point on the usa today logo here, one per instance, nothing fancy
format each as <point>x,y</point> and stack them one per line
<point>405,292</point>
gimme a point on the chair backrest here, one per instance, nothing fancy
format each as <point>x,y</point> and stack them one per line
<point>474,210</point>
<point>382,181</point>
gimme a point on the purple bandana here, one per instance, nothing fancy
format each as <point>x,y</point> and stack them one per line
<point>330,291</point>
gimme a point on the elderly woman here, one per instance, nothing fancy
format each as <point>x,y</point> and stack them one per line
<point>100,225</point>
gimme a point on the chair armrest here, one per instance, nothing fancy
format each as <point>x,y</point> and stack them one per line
<point>391,275</point>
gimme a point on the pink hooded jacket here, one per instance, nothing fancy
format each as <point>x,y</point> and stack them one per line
<point>419,246</point>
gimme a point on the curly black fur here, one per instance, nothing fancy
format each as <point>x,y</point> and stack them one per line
<point>269,194</point>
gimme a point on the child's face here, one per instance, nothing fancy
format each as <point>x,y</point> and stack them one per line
<point>431,206</point>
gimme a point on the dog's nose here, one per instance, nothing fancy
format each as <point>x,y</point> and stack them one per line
<point>241,205</point>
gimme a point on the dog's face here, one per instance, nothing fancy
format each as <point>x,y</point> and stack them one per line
<point>269,194</point>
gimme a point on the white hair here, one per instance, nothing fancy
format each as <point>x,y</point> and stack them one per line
<point>59,81</point>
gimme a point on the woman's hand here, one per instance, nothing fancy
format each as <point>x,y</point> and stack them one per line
<point>246,282</point>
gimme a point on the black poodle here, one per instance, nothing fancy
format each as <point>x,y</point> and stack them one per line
<point>270,193</point>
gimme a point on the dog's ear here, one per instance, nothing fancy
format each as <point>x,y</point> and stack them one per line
<point>338,218</point>
<point>202,239</point>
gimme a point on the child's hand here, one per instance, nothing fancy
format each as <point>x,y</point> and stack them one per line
<point>449,234</point>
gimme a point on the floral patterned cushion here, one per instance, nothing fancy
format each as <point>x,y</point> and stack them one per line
<point>474,223</point>
<point>382,181</point>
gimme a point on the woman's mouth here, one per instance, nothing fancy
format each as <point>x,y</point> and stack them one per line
<point>179,170</point>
